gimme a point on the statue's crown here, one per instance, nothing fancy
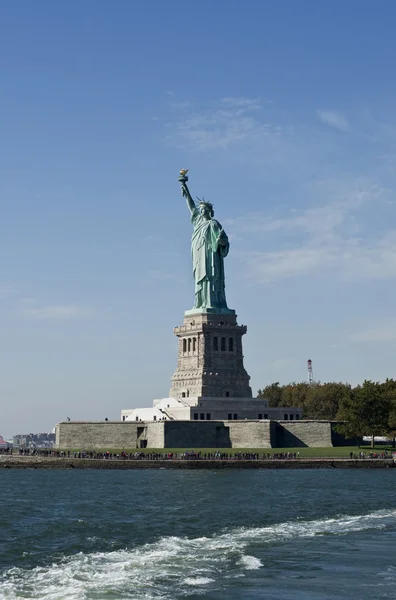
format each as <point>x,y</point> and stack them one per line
<point>202,202</point>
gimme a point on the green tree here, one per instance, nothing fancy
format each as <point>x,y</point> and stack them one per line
<point>389,391</point>
<point>364,411</point>
<point>323,400</point>
<point>292,394</point>
<point>273,393</point>
<point>295,394</point>
<point>367,409</point>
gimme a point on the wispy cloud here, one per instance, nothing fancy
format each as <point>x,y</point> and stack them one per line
<point>226,123</point>
<point>334,119</point>
<point>7,290</point>
<point>57,311</point>
<point>348,259</point>
<point>265,267</point>
<point>338,199</point>
<point>281,363</point>
<point>242,103</point>
<point>255,133</point>
<point>384,331</point>
<point>157,275</point>
<point>320,239</point>
<point>28,300</point>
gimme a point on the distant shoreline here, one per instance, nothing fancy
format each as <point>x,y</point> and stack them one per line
<point>37,462</point>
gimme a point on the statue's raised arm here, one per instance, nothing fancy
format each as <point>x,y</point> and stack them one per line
<point>185,191</point>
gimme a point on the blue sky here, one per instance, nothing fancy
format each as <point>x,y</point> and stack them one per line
<point>285,114</point>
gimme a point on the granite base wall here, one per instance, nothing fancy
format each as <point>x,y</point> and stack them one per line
<point>93,435</point>
<point>297,434</point>
<point>314,434</point>
<point>251,434</point>
<point>156,435</point>
<point>338,439</point>
<point>197,434</point>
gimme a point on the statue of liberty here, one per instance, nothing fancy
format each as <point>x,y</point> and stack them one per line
<point>209,247</point>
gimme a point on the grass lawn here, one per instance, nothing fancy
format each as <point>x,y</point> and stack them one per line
<point>339,451</point>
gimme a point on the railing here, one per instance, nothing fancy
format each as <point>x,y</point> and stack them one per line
<point>167,414</point>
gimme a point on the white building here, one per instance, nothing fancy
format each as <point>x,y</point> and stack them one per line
<point>210,409</point>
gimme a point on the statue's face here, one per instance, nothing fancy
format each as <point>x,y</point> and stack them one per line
<point>205,212</point>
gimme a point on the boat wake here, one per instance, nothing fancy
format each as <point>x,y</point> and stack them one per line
<point>172,566</point>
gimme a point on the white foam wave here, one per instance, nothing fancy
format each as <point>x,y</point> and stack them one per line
<point>389,574</point>
<point>171,566</point>
<point>198,580</point>
<point>250,563</point>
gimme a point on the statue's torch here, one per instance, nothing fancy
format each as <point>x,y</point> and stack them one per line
<point>183,178</point>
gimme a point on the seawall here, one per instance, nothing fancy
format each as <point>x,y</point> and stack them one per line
<point>34,462</point>
<point>92,435</point>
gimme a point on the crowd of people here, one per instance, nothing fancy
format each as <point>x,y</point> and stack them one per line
<point>186,455</point>
<point>38,452</point>
<point>384,454</point>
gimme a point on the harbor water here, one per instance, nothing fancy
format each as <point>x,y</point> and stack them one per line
<point>170,534</point>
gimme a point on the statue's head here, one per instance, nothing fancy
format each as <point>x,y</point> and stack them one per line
<point>206,208</point>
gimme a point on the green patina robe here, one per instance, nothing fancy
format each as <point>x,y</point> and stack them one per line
<point>209,246</point>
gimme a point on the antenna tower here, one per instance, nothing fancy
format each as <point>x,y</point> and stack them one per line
<point>310,372</point>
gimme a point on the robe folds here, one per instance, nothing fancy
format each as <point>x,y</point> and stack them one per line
<point>209,247</point>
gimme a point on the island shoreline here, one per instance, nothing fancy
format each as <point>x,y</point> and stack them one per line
<point>37,462</point>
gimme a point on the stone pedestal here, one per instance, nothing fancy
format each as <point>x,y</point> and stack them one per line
<point>210,357</point>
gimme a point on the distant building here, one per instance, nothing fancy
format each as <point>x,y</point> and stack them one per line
<point>3,444</point>
<point>34,440</point>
